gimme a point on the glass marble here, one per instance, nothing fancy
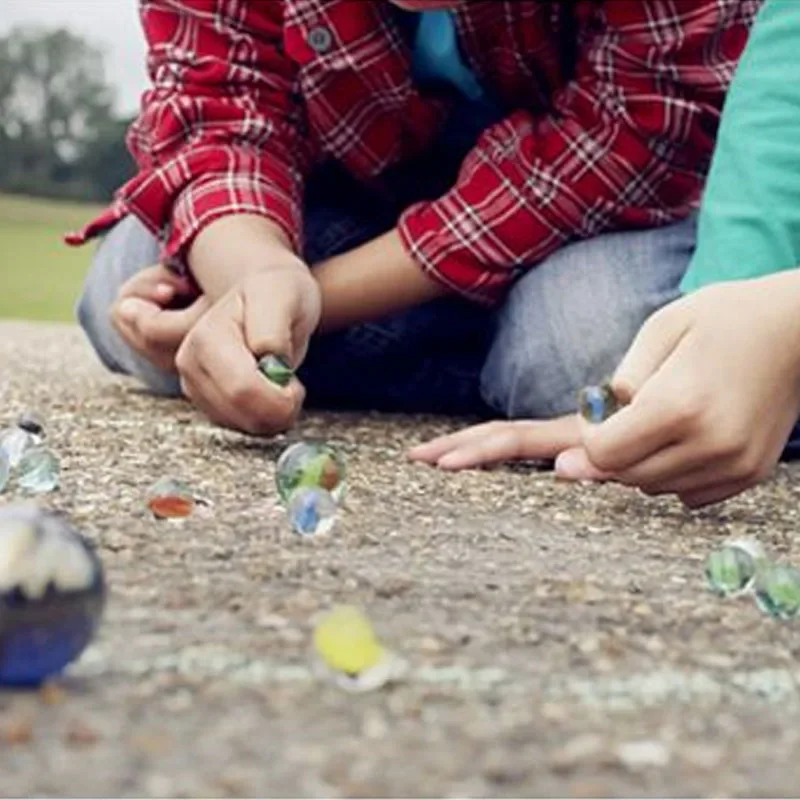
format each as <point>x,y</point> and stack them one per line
<point>597,403</point>
<point>52,595</point>
<point>31,422</point>
<point>170,498</point>
<point>276,369</point>
<point>777,591</point>
<point>38,471</point>
<point>350,654</point>
<point>16,442</point>
<point>733,568</point>
<point>5,470</point>
<point>310,464</point>
<point>312,511</point>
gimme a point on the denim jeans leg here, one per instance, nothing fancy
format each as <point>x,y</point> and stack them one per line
<point>568,322</point>
<point>127,249</point>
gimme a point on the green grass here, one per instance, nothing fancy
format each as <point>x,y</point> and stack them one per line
<point>40,277</point>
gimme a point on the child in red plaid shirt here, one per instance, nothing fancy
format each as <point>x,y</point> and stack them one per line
<point>460,207</point>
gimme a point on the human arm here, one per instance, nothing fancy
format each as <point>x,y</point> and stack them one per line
<point>221,166</point>
<point>714,382</point>
<point>626,144</point>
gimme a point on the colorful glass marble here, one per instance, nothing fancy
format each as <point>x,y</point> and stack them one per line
<point>310,464</point>
<point>170,498</point>
<point>52,594</point>
<point>350,654</point>
<point>276,369</point>
<point>597,403</point>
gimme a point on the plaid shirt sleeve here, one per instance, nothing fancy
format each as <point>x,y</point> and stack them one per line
<point>218,134</point>
<point>627,145</point>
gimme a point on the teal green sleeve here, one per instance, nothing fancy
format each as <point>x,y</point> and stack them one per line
<point>750,216</point>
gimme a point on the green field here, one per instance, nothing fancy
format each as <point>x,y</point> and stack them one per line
<point>40,277</point>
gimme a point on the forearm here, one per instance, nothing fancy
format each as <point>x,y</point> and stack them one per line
<point>233,247</point>
<point>370,282</point>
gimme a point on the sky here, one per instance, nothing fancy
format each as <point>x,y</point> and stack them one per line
<point>111,24</point>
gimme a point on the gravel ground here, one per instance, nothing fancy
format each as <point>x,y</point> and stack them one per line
<point>561,639</point>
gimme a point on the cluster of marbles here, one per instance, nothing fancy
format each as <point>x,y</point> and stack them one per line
<point>742,567</point>
<point>52,594</point>
<point>310,479</point>
<point>25,459</point>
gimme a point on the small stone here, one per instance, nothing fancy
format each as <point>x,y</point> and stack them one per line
<point>732,570</point>
<point>38,471</point>
<point>645,754</point>
<point>597,403</point>
<point>17,731</point>
<point>276,369</point>
<point>170,498</point>
<point>79,734</point>
<point>51,694</point>
<point>16,442</point>
<point>31,422</point>
<point>310,464</point>
<point>777,591</point>
<point>52,594</point>
<point>579,751</point>
<point>312,511</point>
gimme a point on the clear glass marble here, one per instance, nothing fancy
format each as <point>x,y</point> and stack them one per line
<point>38,471</point>
<point>732,570</point>
<point>777,591</point>
<point>312,511</point>
<point>5,470</point>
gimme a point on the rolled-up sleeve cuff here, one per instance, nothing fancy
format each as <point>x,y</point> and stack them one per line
<point>217,196</point>
<point>441,236</point>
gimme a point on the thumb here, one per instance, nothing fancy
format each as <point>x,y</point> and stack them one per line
<point>268,330</point>
<point>654,343</point>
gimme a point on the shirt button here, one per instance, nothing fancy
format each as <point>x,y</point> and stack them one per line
<point>320,39</point>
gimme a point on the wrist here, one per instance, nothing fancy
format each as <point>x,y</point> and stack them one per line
<point>235,247</point>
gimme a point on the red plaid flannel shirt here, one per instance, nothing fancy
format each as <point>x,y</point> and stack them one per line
<point>248,94</point>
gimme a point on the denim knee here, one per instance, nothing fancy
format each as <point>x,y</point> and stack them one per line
<point>126,249</point>
<point>569,321</point>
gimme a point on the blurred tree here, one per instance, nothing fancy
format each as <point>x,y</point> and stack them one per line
<point>58,133</point>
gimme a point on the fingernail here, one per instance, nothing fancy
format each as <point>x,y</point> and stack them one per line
<point>164,288</point>
<point>568,466</point>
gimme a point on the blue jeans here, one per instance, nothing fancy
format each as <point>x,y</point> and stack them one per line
<point>566,323</point>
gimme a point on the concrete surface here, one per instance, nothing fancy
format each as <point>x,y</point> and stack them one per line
<point>561,639</point>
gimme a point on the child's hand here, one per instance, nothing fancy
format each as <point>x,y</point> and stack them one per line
<point>273,311</point>
<point>143,316</point>
<point>715,385</point>
<point>493,442</point>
